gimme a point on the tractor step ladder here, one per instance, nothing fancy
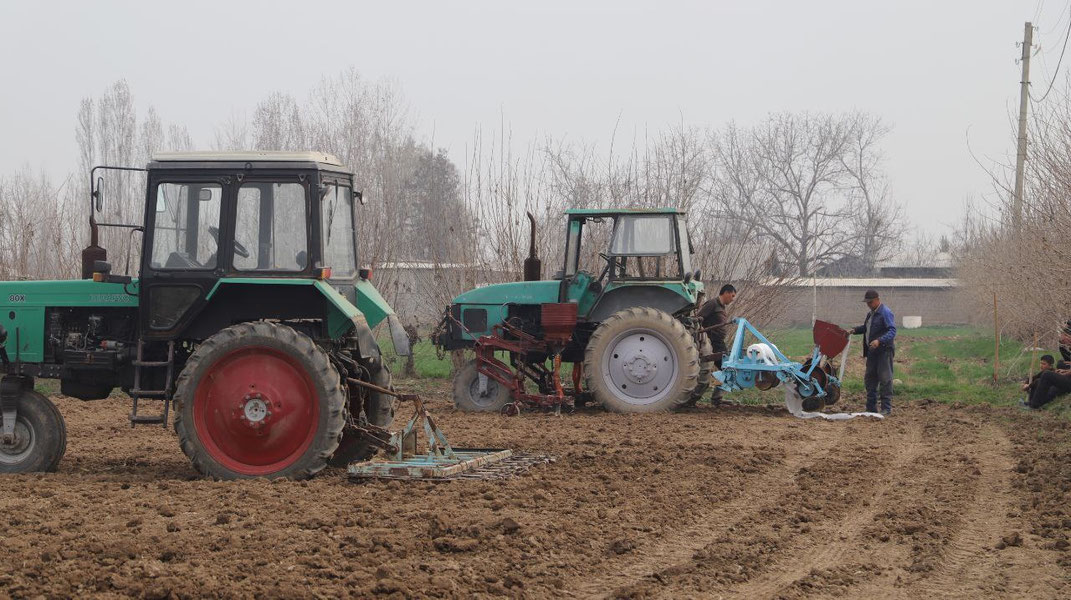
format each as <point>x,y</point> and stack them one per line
<point>165,394</point>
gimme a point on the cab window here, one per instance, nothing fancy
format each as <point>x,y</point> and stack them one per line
<point>336,223</point>
<point>186,228</point>
<point>270,227</point>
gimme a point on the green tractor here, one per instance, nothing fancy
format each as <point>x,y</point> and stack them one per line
<point>622,311</point>
<point>249,317</point>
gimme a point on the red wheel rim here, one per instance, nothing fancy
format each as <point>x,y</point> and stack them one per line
<point>256,411</point>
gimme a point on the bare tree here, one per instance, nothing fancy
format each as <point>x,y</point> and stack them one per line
<point>1024,269</point>
<point>877,224</point>
<point>801,180</point>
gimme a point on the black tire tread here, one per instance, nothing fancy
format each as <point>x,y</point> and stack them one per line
<point>705,369</point>
<point>355,449</point>
<point>52,431</point>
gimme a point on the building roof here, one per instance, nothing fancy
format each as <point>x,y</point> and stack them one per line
<point>605,212</point>
<point>874,283</point>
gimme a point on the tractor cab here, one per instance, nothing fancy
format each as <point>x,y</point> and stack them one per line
<point>614,259</point>
<point>216,221</point>
<point>636,249</point>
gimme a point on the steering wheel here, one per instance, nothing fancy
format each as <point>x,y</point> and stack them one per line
<point>239,249</point>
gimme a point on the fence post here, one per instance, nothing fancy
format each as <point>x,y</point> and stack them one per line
<point>996,339</point>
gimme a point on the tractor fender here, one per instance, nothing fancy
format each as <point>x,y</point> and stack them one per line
<point>235,300</point>
<point>346,315</point>
<point>628,296</point>
<point>290,298</point>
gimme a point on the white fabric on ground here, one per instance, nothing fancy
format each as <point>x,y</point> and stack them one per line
<point>795,406</point>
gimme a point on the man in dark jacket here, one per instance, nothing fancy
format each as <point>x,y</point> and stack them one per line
<point>716,321</point>
<point>879,335</point>
<point>1050,385</point>
<point>1047,362</point>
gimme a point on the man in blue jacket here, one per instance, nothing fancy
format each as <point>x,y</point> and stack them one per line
<point>879,335</point>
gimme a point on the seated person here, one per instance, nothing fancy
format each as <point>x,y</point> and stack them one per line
<point>1049,385</point>
<point>1065,342</point>
<point>1032,382</point>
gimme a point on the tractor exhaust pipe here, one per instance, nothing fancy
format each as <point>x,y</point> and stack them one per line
<point>533,267</point>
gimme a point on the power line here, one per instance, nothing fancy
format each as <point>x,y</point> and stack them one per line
<point>1056,73</point>
<point>1059,19</point>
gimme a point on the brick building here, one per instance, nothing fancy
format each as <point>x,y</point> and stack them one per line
<point>936,301</point>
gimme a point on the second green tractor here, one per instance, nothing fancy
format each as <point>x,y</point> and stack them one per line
<point>621,310</point>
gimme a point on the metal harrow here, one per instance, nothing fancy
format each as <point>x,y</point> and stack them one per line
<point>402,460</point>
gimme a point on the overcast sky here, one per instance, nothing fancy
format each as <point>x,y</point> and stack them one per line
<point>933,70</point>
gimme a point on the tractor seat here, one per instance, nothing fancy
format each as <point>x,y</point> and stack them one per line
<point>179,260</point>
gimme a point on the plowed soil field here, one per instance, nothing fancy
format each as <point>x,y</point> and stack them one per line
<point>734,502</point>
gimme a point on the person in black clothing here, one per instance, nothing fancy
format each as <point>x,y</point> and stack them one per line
<point>1050,384</point>
<point>1065,342</point>
<point>716,323</point>
<point>1032,383</point>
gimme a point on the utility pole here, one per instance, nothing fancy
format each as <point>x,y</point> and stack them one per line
<point>1024,98</point>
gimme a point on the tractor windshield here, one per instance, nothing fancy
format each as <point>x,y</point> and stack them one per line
<point>645,247</point>
<point>336,218</point>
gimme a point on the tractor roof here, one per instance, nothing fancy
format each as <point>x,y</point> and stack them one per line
<point>606,212</point>
<point>255,159</point>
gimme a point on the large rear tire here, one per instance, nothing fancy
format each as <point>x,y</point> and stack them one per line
<point>40,436</point>
<point>641,360</point>
<point>379,410</point>
<point>467,396</point>
<point>259,400</point>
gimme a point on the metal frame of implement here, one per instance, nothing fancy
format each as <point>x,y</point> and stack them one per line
<point>402,461</point>
<point>739,371</point>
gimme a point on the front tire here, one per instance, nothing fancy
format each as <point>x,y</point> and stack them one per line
<point>641,360</point>
<point>467,396</point>
<point>259,400</point>
<point>40,436</point>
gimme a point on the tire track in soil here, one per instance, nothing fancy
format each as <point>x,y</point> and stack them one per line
<point>843,535</point>
<point>679,546</point>
<point>969,558</point>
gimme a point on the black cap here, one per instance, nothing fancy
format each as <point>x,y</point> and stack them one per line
<point>870,295</point>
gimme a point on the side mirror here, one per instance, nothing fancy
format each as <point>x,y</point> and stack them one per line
<point>205,195</point>
<point>102,266</point>
<point>358,195</point>
<point>698,274</point>
<point>98,194</point>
